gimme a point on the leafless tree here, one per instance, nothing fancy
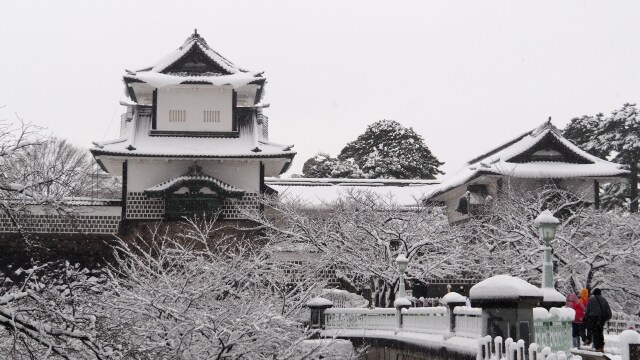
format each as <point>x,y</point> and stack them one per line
<point>592,248</point>
<point>361,234</point>
<point>181,294</point>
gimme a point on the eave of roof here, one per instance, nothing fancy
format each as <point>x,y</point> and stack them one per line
<point>202,180</point>
<point>99,152</point>
<point>496,162</point>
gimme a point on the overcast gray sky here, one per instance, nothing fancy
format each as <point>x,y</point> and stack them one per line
<point>466,75</point>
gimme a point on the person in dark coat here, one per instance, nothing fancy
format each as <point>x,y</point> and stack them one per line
<point>597,313</point>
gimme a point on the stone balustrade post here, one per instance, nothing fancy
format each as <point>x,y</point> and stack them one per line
<point>451,300</point>
<point>630,345</point>
<point>507,306</point>
<point>399,304</point>
<point>317,306</point>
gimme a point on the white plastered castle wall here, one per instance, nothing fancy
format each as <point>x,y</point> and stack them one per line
<point>145,173</point>
<point>582,188</point>
<point>194,108</point>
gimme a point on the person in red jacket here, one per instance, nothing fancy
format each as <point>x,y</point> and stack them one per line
<point>576,325</point>
<point>585,333</point>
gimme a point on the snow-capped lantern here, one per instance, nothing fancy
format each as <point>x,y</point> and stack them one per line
<point>317,306</point>
<point>402,263</point>
<point>548,225</point>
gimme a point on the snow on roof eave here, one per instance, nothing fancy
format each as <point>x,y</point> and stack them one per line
<point>521,144</point>
<point>445,188</point>
<point>117,153</point>
<point>183,180</point>
<point>349,182</point>
<point>191,41</point>
<point>160,80</point>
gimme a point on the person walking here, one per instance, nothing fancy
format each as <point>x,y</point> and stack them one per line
<point>585,333</point>
<point>597,313</point>
<point>576,324</point>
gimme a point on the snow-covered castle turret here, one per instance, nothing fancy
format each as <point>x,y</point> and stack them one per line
<point>193,139</point>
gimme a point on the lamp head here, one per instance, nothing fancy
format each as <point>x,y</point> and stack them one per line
<point>547,224</point>
<point>402,262</point>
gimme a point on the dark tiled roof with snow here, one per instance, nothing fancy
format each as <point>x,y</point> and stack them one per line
<point>194,62</point>
<point>542,153</point>
<point>194,176</point>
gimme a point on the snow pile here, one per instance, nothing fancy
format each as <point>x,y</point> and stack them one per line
<point>402,302</point>
<point>540,313</point>
<point>465,310</point>
<point>453,297</point>
<point>503,287</point>
<point>159,80</point>
<point>563,313</point>
<point>554,314</point>
<point>552,295</point>
<point>329,349</point>
<point>426,310</point>
<point>362,311</point>
<point>344,299</point>
<point>318,301</point>
<point>546,217</point>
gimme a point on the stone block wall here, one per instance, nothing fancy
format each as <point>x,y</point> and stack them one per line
<point>63,224</point>
<point>140,207</point>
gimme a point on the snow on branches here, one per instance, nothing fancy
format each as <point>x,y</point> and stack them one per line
<point>188,292</point>
<point>360,235</point>
<point>592,248</point>
<point>616,138</point>
<point>386,150</point>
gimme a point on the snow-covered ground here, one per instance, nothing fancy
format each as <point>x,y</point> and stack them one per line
<point>456,343</point>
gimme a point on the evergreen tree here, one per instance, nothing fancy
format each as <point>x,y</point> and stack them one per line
<point>389,150</point>
<point>324,166</point>
<point>616,138</point>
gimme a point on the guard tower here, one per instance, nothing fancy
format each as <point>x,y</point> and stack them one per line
<point>194,139</point>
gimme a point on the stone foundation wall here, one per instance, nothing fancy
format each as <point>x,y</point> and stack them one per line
<point>232,208</point>
<point>140,207</point>
<point>63,224</point>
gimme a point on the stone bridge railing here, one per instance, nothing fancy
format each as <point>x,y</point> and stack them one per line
<point>551,329</point>
<point>621,322</point>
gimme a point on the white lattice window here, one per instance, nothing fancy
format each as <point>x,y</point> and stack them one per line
<point>177,115</point>
<point>211,116</point>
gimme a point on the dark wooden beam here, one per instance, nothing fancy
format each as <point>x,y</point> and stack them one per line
<point>154,115</point>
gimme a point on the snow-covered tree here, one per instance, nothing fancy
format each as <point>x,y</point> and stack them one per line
<point>55,169</point>
<point>178,293</point>
<point>389,150</point>
<point>617,138</point>
<point>361,234</point>
<point>324,166</point>
<point>592,248</point>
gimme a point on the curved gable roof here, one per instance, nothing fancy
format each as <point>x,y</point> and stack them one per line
<point>520,158</point>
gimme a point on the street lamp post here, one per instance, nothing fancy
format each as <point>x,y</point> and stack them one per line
<point>402,262</point>
<point>547,224</point>
<point>401,301</point>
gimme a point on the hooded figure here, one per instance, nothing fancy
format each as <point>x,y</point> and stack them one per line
<point>597,313</point>
<point>585,332</point>
<point>576,325</point>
